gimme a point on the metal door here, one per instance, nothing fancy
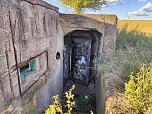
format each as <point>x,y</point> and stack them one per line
<point>81,51</point>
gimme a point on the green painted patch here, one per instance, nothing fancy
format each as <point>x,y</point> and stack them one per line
<point>24,71</point>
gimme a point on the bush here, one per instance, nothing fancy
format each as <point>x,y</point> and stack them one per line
<point>139,90</point>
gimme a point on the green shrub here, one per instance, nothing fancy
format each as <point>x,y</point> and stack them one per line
<point>139,90</point>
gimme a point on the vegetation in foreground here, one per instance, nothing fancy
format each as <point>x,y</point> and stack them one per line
<point>139,90</point>
<point>57,108</point>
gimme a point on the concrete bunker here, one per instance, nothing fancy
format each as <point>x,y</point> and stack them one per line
<point>81,49</point>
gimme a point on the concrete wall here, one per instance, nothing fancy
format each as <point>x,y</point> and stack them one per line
<point>27,29</point>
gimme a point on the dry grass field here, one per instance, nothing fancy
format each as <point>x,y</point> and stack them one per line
<point>145,26</point>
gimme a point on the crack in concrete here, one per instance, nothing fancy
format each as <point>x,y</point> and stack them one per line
<point>15,53</point>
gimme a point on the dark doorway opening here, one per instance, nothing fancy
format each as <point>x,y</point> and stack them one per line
<point>81,55</point>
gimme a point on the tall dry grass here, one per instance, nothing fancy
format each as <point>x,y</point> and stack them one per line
<point>133,48</point>
<point>145,25</point>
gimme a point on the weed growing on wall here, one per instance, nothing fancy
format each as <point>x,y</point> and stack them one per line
<point>139,90</point>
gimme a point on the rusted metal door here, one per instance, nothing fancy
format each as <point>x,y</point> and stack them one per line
<point>81,51</point>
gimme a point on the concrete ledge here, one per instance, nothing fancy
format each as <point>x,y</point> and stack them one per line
<point>109,19</point>
<point>42,3</point>
<point>78,18</point>
<point>71,22</point>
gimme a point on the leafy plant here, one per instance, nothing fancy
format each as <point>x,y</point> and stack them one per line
<point>70,97</point>
<point>139,90</point>
<point>56,107</point>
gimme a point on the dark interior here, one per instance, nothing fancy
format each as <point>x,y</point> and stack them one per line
<point>80,55</point>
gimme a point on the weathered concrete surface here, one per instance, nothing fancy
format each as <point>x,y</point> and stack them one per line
<point>28,28</point>
<point>108,19</point>
<point>71,22</point>
<point>109,43</point>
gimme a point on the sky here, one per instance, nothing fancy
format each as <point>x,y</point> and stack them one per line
<point>124,9</point>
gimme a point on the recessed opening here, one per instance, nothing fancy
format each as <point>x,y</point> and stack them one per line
<point>81,49</point>
<point>57,55</point>
<point>22,69</point>
<point>27,68</point>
